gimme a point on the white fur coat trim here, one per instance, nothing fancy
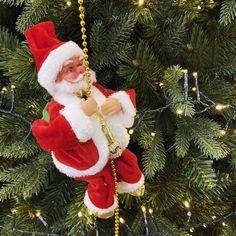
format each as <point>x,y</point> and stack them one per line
<point>128,110</point>
<point>88,203</point>
<point>80,123</point>
<point>54,62</point>
<point>124,187</point>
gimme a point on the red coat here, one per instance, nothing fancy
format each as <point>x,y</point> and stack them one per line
<point>76,141</point>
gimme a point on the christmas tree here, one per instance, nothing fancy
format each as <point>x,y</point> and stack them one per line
<point>179,56</point>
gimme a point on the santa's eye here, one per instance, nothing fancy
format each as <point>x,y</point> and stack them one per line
<point>70,69</point>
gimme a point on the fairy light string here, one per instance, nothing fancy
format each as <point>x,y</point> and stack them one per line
<point>10,111</point>
<point>187,228</point>
<point>208,104</point>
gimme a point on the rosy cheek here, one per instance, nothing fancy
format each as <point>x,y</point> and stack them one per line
<point>67,76</point>
<point>76,73</point>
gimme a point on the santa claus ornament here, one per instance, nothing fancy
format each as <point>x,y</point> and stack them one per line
<point>86,128</point>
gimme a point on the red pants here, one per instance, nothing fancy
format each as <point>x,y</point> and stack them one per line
<point>100,196</point>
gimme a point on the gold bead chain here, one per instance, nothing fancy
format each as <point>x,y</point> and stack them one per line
<point>88,92</point>
<point>85,49</point>
<point>117,218</point>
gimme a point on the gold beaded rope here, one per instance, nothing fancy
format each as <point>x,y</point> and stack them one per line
<point>85,49</point>
<point>88,93</point>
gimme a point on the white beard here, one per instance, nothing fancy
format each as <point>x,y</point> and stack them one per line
<point>64,92</point>
<point>70,88</point>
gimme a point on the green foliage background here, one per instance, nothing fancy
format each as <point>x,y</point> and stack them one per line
<point>184,157</point>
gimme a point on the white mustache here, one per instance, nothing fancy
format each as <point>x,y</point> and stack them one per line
<point>78,79</point>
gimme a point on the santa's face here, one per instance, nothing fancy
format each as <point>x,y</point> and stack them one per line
<point>72,77</point>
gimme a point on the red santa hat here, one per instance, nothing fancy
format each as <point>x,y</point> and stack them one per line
<point>49,53</point>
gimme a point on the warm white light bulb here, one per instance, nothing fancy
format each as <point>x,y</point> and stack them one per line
<point>13,86</point>
<point>185,71</point>
<point>68,3</point>
<point>223,223</point>
<point>204,225</point>
<point>122,221</point>
<point>213,217</point>
<point>189,213</point>
<point>150,211</point>
<point>191,230</point>
<point>195,74</point>
<point>194,89</point>
<point>186,204</point>
<point>153,134</point>
<point>219,107</point>
<point>38,213</point>
<point>131,131</point>
<point>199,7</point>
<point>140,2</point>
<point>222,132</point>
<point>179,111</point>
<point>143,209</point>
<point>161,85</point>
<point>80,214</point>
<point>14,211</point>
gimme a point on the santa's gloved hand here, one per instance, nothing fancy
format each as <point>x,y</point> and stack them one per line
<point>110,107</point>
<point>89,106</point>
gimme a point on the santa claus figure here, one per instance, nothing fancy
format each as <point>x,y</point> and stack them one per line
<point>72,133</point>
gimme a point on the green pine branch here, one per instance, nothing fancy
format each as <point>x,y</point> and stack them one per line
<point>228,12</point>
<point>73,223</point>
<point>137,225</point>
<point>7,39</point>
<point>19,150</point>
<point>212,88</point>
<point>19,66</point>
<point>112,44</point>
<point>143,15</point>
<point>175,34</point>
<point>12,130</point>
<point>204,133</point>
<point>4,164</point>
<point>33,12</point>
<point>174,91</point>
<point>57,195</point>
<point>197,50</point>
<point>13,2</point>
<point>25,180</point>
<point>154,155</point>
<point>166,189</point>
<point>142,69</point>
<point>199,171</point>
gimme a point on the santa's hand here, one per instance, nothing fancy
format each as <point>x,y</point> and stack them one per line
<point>89,106</point>
<point>110,107</point>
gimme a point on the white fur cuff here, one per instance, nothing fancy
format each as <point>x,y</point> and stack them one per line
<point>98,210</point>
<point>128,110</point>
<point>124,187</point>
<point>80,123</point>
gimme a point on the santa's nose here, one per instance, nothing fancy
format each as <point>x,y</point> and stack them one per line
<point>79,70</point>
